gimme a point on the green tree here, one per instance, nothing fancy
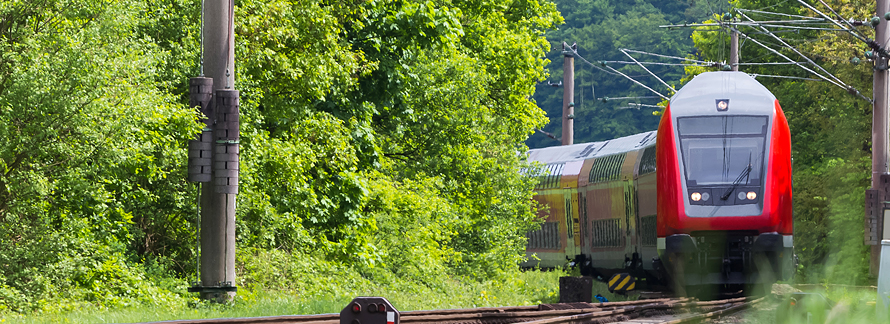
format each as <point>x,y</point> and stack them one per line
<point>89,149</point>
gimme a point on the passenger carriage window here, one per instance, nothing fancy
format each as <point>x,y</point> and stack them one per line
<point>550,178</point>
<point>607,168</point>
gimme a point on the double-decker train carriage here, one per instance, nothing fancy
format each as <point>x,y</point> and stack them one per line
<point>704,202</point>
<point>601,199</point>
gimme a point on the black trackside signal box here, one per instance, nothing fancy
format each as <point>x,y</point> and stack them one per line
<point>369,310</point>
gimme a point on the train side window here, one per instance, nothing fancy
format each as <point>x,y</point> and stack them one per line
<point>607,168</point>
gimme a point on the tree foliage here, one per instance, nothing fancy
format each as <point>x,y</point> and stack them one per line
<point>381,136</point>
<point>90,153</point>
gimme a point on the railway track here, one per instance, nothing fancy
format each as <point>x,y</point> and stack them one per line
<point>664,310</point>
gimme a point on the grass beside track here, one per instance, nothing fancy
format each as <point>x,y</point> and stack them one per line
<point>522,288</point>
<point>852,306</point>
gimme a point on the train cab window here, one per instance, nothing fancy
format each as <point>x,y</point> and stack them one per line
<point>717,150</point>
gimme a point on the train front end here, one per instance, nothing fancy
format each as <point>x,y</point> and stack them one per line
<point>724,185</point>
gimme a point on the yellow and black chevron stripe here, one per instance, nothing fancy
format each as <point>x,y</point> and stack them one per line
<point>621,283</point>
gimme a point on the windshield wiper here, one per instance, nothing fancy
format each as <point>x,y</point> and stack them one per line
<point>737,181</point>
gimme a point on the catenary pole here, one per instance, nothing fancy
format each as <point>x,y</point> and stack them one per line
<point>880,253</point>
<point>879,128</point>
<point>568,94</point>
<point>734,50</point>
<point>217,206</point>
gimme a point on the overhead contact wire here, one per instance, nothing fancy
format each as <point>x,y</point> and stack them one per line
<point>614,71</point>
<point>788,59</point>
<point>853,32</point>
<point>668,56</point>
<point>754,75</point>
<point>591,64</point>
<point>777,14</point>
<point>623,50</point>
<point>846,88</point>
<point>638,82</point>
<point>853,28</point>
<point>655,63</point>
<point>796,51</point>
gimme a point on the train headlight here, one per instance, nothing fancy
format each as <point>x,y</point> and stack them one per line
<point>695,196</point>
<point>705,196</point>
<point>752,195</point>
<point>741,195</point>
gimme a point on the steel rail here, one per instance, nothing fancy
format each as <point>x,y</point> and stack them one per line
<point>599,312</point>
<point>734,307</point>
<point>429,316</point>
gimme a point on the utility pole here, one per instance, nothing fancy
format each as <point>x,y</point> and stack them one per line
<point>734,50</point>
<point>878,216</point>
<point>568,94</point>
<point>218,146</point>
<point>878,194</point>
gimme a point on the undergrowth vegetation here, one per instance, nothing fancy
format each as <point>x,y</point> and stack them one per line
<point>315,289</point>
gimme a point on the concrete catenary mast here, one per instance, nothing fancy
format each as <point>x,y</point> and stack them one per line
<point>214,156</point>
<point>568,94</point>
<point>734,50</point>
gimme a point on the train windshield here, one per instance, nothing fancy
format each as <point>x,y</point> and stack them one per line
<point>718,150</point>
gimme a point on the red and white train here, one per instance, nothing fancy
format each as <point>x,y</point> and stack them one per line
<point>703,202</point>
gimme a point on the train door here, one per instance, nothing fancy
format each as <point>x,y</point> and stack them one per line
<point>573,235</point>
<point>632,221</point>
<point>585,223</point>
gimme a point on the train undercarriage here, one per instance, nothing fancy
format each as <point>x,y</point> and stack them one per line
<point>713,261</point>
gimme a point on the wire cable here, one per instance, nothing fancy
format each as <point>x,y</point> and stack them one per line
<point>803,27</point>
<point>776,13</point>
<point>798,52</point>
<point>853,32</point>
<point>788,59</point>
<point>723,23</point>
<point>643,105</point>
<point>654,63</point>
<point>668,56</point>
<point>771,63</point>
<point>616,72</point>
<point>591,64</point>
<point>755,75</point>
<point>853,28</point>
<point>627,98</point>
<point>850,90</point>
<point>647,70</point>
<point>638,83</point>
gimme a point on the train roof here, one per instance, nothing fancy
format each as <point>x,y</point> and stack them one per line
<point>583,151</point>
<point>703,93</point>
<point>698,97</point>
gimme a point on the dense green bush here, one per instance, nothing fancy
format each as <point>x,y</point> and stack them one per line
<point>380,138</point>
